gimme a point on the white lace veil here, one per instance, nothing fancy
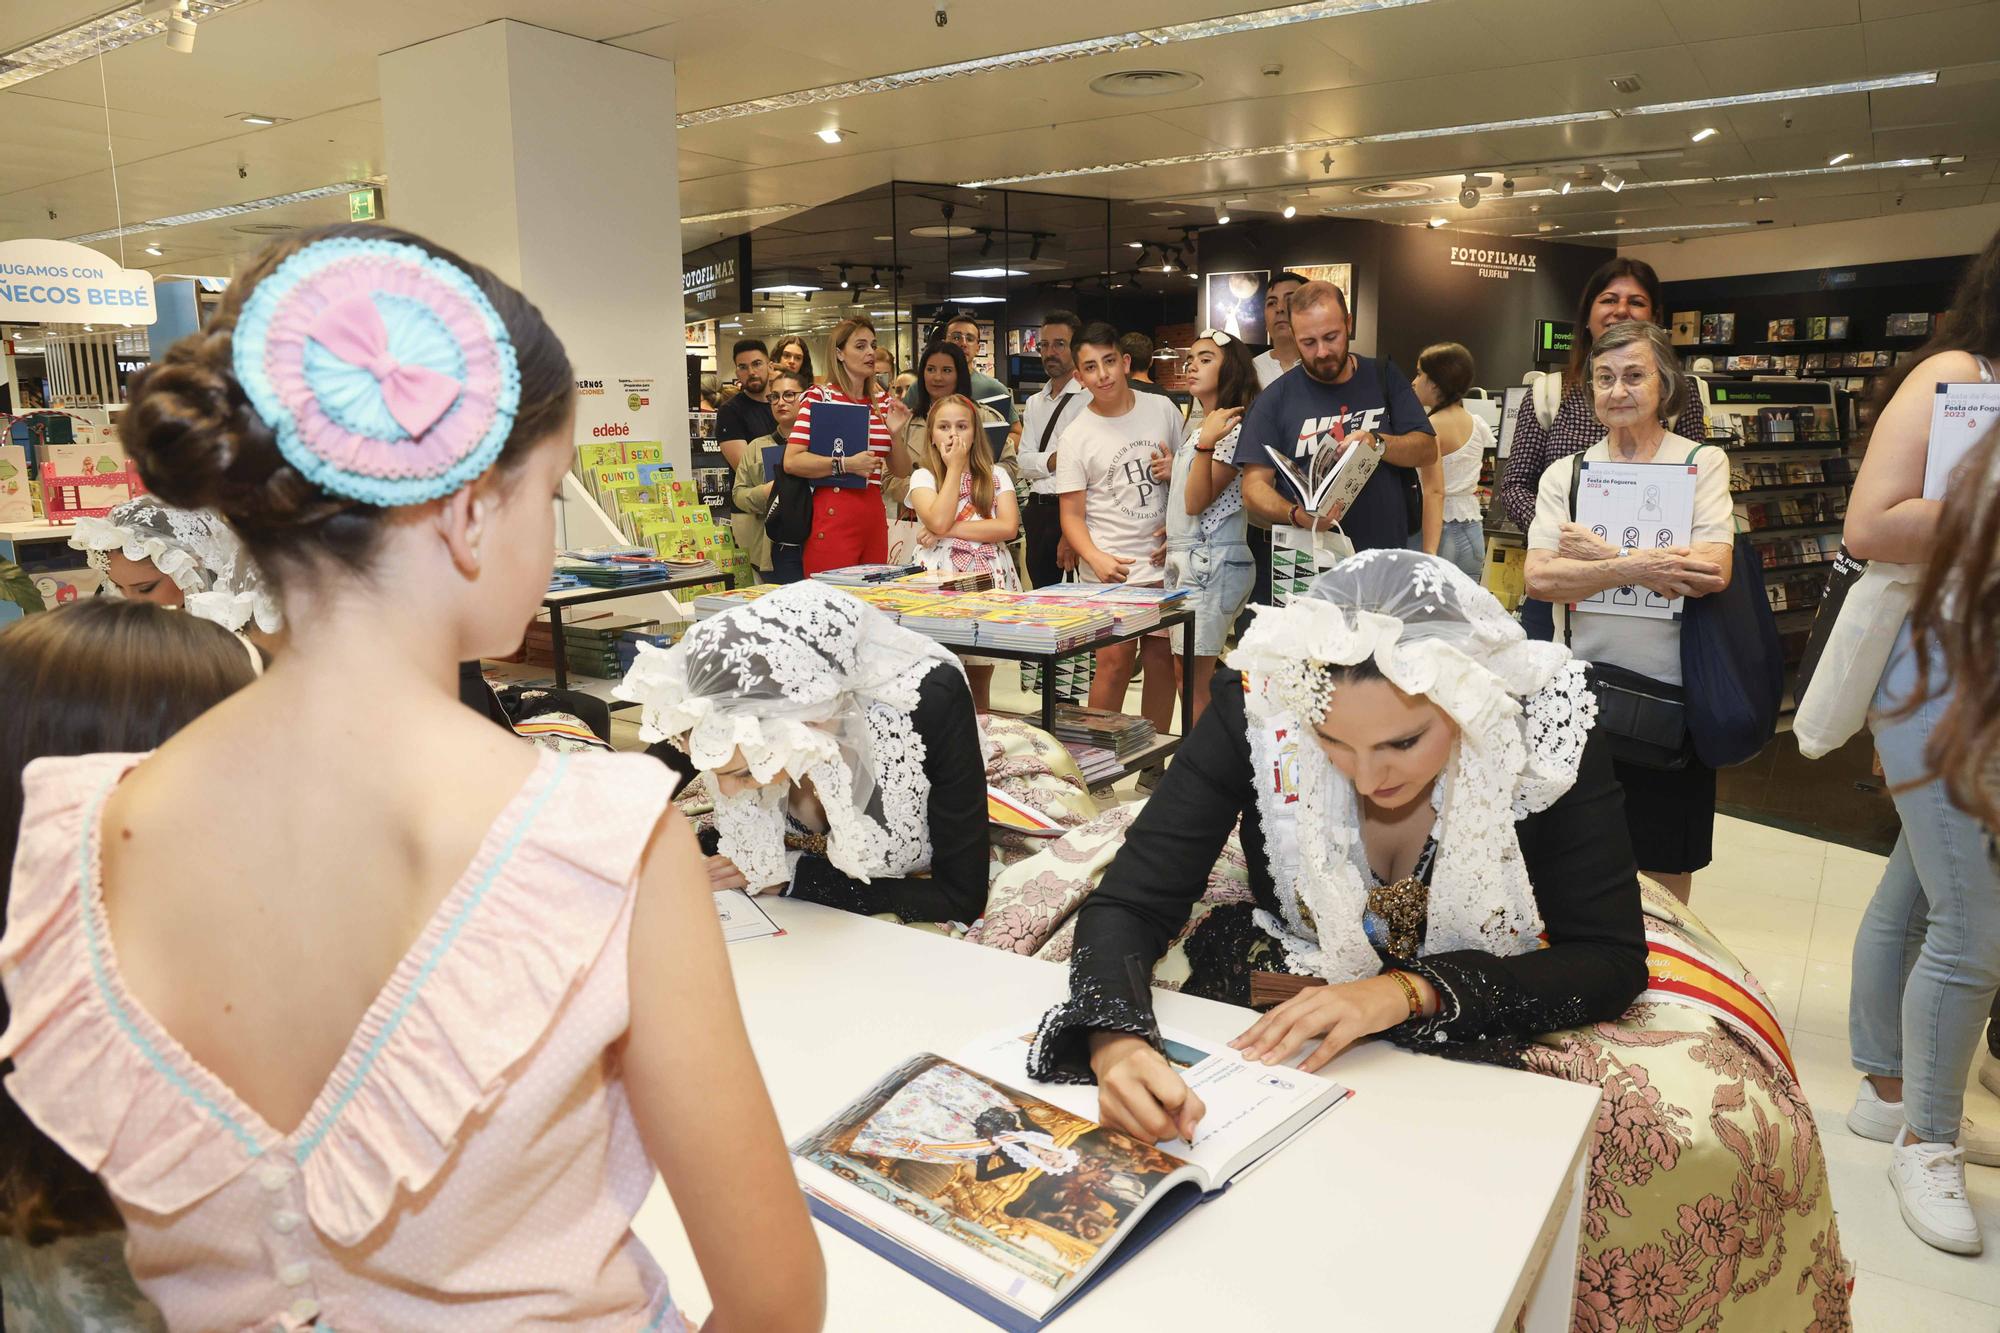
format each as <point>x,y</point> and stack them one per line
<point>807,681</point>
<point>1524,711</point>
<point>193,547</point>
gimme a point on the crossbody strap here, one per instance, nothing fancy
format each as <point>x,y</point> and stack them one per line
<point>1055,419</point>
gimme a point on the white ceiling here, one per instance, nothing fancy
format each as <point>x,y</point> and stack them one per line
<point>1446,62</point>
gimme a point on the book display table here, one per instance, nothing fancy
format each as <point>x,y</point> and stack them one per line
<point>1048,660</point>
<point>1440,1196</point>
<point>557,602</point>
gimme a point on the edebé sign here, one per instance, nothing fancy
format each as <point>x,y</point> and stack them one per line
<point>58,282</point>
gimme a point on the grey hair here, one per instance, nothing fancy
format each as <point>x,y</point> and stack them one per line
<point>1634,332</point>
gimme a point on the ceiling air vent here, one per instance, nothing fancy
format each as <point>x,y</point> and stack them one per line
<point>1394,190</point>
<point>1145,82</point>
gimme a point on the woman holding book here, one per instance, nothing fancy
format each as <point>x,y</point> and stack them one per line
<point>967,508</point>
<point>1431,828</point>
<point>841,749</point>
<point>1208,530</point>
<point>849,524</point>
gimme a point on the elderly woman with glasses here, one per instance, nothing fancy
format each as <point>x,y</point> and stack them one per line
<point>1609,586</point>
<point>1208,530</point>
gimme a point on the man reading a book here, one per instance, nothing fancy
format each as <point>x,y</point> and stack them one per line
<point>1112,472</point>
<point>1342,400</point>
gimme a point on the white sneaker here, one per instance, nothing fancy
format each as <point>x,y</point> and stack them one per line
<point>1875,1118</point>
<point>1930,1189</point>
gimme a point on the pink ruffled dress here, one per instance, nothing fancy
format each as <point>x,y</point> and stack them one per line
<point>472,1163</point>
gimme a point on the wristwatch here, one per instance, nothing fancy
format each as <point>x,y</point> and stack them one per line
<point>1624,552</point>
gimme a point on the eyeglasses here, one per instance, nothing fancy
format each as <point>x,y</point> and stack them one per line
<point>1218,337</point>
<point>1606,381</point>
<point>787,395</point>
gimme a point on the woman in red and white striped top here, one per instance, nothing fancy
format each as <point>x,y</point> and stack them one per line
<point>849,526</point>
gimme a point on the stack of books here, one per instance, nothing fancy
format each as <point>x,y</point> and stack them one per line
<point>951,580</point>
<point>717,600</point>
<point>1097,764</point>
<point>612,566</point>
<point>1026,626</point>
<point>862,576</point>
<point>1122,735</point>
<point>591,647</point>
<point>948,619</point>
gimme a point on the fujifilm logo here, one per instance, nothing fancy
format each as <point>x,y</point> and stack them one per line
<point>701,284</point>
<point>1492,263</point>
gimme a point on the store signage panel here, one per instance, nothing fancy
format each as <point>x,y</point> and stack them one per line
<point>1492,263</point>
<point>58,282</point>
<point>714,279</point>
<point>1553,339</point>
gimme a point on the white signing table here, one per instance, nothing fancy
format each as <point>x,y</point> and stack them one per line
<point>1440,1197</point>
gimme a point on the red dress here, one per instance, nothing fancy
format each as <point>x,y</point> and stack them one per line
<point>849,524</point>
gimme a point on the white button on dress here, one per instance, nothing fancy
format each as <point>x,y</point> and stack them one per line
<point>273,1177</point>
<point>295,1275</point>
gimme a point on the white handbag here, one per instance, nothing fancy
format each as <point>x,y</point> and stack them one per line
<point>1857,651</point>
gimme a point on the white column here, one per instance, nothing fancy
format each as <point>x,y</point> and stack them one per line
<point>552,161</point>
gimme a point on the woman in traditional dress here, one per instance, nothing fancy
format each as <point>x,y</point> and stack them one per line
<point>1432,829</point>
<point>842,751</point>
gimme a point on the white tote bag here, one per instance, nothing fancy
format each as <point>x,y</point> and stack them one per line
<point>1857,652</point>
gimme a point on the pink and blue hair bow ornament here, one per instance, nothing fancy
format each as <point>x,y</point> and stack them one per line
<point>384,372</point>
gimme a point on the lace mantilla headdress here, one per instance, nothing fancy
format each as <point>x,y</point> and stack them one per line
<point>813,683</point>
<point>193,547</point>
<point>1523,709</point>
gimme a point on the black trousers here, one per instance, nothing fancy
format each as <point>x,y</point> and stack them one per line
<point>1042,518</point>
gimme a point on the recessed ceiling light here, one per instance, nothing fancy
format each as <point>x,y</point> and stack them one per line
<point>1291,211</point>
<point>989,273</point>
<point>1705,132</point>
<point>1135,245</point>
<point>1435,223</point>
<point>833,134</point>
<point>258,118</point>
<point>1627,83</point>
<point>1145,82</point>
<point>976,299</point>
<point>1921,78</point>
<point>1145,39</point>
<point>1567,185</point>
<point>938,231</point>
<point>154,250</point>
<point>1838,158</point>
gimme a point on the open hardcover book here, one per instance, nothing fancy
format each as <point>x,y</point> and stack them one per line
<point>1007,1195</point>
<point>1334,473</point>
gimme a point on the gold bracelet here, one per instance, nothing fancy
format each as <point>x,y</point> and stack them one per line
<point>1410,991</point>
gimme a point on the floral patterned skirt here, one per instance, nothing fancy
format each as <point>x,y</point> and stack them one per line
<point>1708,1205</point>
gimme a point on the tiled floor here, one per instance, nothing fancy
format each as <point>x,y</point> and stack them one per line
<point>1789,905</point>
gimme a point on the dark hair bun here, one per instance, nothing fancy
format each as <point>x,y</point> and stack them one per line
<point>200,445</point>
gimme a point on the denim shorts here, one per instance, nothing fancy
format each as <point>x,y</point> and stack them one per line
<point>1219,576</point>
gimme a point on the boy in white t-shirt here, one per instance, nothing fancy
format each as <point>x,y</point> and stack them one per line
<point>1112,470</point>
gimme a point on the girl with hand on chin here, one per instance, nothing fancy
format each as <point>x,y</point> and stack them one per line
<point>1431,828</point>
<point>841,749</point>
<point>968,510</point>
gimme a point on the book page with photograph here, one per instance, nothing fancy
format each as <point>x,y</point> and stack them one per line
<point>1251,1108</point>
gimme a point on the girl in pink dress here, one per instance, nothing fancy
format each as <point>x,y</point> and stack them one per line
<point>387,1026</point>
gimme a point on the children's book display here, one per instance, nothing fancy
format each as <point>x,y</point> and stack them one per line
<point>656,509</point>
<point>1007,1194</point>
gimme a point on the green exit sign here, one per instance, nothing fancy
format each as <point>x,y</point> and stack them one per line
<point>364,205</point>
